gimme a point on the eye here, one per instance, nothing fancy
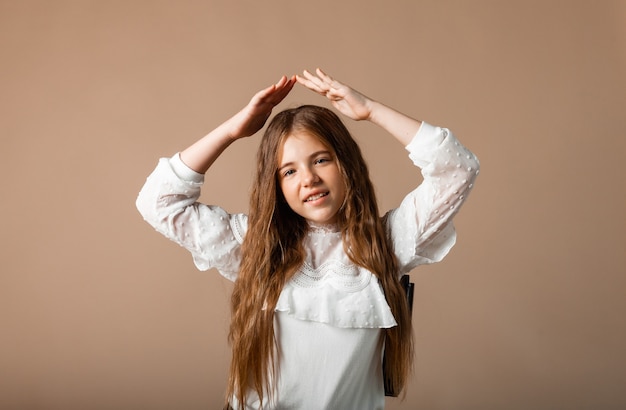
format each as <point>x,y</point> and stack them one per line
<point>288,172</point>
<point>322,160</point>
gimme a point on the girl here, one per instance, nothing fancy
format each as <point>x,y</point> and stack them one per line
<point>317,300</point>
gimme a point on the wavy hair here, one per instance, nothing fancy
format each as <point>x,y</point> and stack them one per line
<point>272,252</point>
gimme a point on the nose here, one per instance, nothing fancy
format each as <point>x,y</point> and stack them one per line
<point>309,177</point>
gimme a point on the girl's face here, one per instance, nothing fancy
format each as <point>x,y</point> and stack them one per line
<point>310,179</point>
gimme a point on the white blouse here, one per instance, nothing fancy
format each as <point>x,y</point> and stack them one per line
<point>330,315</point>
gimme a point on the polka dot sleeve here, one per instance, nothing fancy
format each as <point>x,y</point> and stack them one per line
<point>169,202</point>
<point>421,227</point>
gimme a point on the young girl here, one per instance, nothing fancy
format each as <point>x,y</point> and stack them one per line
<point>317,300</point>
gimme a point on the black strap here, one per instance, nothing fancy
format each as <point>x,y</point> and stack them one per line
<point>409,288</point>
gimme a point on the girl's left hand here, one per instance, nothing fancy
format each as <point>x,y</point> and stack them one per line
<point>348,101</point>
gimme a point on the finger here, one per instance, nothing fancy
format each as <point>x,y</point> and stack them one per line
<point>263,94</point>
<point>283,80</point>
<point>277,92</point>
<point>309,76</point>
<point>308,83</point>
<point>311,86</point>
<point>331,82</point>
<point>318,82</point>
<point>325,77</point>
<point>282,92</point>
<point>273,88</point>
<point>308,79</point>
<point>305,81</point>
<point>314,84</point>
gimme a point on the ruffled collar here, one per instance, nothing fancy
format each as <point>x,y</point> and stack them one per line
<point>315,227</point>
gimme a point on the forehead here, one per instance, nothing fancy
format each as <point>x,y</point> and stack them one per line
<point>298,144</point>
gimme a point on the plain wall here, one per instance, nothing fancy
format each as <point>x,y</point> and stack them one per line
<point>98,311</point>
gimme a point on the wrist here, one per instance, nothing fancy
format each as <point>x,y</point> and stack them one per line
<point>231,129</point>
<point>375,108</point>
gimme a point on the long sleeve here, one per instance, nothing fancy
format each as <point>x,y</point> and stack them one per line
<point>421,227</point>
<point>169,202</point>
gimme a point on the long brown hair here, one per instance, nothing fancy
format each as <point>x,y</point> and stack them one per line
<point>272,252</point>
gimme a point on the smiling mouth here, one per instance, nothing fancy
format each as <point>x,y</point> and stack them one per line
<point>315,197</point>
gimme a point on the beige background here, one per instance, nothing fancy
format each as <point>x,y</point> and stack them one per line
<point>97,311</point>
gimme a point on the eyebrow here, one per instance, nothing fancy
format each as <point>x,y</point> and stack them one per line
<point>313,155</point>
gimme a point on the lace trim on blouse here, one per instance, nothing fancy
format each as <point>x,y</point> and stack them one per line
<point>348,278</point>
<point>323,228</point>
<point>239,225</point>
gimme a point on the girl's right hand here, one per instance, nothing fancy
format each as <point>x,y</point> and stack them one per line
<point>254,115</point>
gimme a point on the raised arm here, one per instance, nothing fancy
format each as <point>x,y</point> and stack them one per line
<point>422,225</point>
<point>201,155</point>
<point>358,107</point>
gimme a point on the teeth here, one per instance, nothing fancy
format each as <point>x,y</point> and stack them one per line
<point>314,197</point>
